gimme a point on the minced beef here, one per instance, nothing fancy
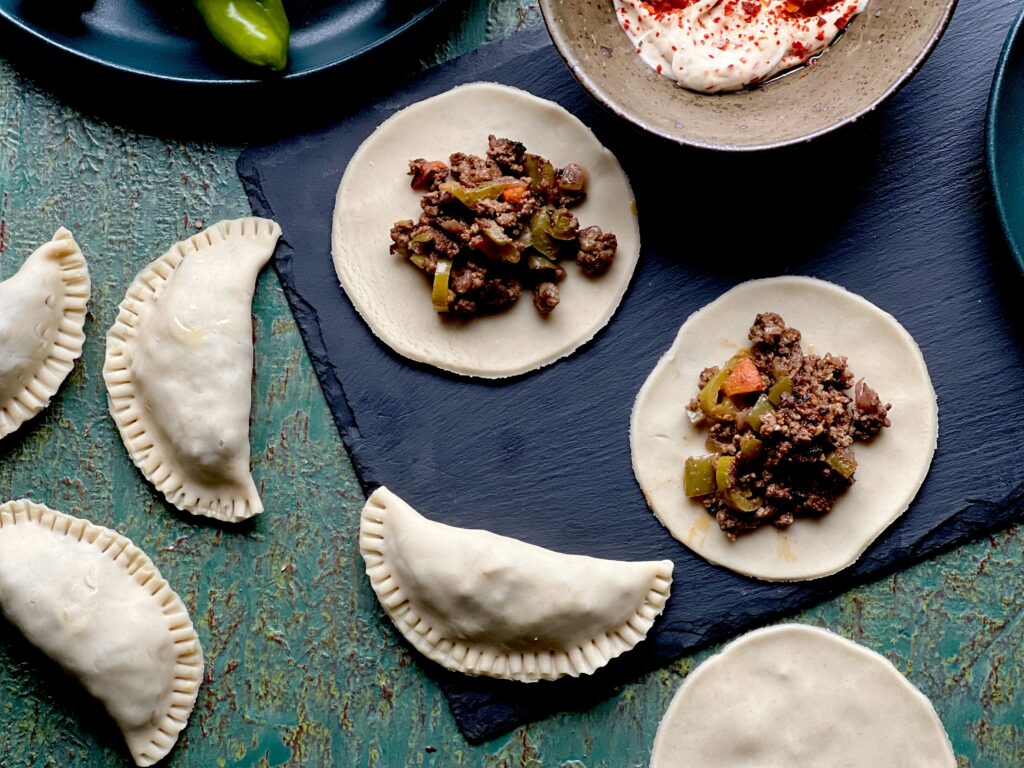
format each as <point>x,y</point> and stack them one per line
<point>799,458</point>
<point>504,224</point>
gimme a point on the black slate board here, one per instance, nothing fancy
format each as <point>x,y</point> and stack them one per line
<point>895,208</point>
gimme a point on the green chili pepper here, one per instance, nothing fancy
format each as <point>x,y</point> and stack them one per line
<point>783,386</point>
<point>439,294</point>
<point>699,476</point>
<point>254,30</point>
<point>761,408</point>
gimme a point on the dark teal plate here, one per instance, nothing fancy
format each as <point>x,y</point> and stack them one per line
<point>1004,139</point>
<point>165,39</point>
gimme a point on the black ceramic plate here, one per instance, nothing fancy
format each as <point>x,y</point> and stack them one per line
<point>1005,138</point>
<point>166,39</point>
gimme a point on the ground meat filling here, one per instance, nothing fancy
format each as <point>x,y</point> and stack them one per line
<point>781,428</point>
<point>493,226</point>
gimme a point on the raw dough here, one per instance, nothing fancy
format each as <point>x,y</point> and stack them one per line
<point>890,469</point>
<point>95,603</point>
<point>179,368</point>
<point>393,297</point>
<point>795,696</point>
<point>484,604</point>
<point>42,314</point>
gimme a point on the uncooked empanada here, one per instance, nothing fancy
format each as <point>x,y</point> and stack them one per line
<point>484,604</point>
<point>94,602</point>
<point>179,368</point>
<point>42,313</point>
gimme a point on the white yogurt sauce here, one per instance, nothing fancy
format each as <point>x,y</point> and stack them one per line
<point>724,45</point>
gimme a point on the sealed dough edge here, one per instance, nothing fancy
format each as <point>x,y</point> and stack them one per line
<point>62,252</point>
<point>489,605</point>
<point>102,664</point>
<point>127,406</point>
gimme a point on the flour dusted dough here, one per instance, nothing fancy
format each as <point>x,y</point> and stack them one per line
<point>94,603</point>
<point>394,298</point>
<point>484,604</point>
<point>42,313</point>
<point>795,696</point>
<point>890,468</point>
<point>179,368</point>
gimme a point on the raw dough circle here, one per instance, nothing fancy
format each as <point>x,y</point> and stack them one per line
<point>795,696</point>
<point>393,297</point>
<point>890,469</point>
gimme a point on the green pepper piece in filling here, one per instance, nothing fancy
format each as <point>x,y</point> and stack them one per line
<point>540,171</point>
<point>843,463</point>
<point>439,293</point>
<point>731,495</point>
<point>254,30</point>
<point>545,268</point>
<point>496,244</point>
<point>750,447</point>
<point>562,225</point>
<point>540,235</point>
<point>699,476</point>
<point>761,408</point>
<point>783,386</point>
<point>716,407</point>
<point>470,196</point>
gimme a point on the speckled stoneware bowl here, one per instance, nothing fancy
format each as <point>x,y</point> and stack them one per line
<point>880,51</point>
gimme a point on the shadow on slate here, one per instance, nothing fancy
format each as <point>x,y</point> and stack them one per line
<point>894,208</point>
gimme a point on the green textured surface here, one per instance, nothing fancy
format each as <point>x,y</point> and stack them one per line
<point>302,670</point>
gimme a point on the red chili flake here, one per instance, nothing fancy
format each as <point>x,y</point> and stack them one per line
<point>809,8</point>
<point>659,7</point>
<point>751,8</point>
<point>658,69</point>
<point>798,48</point>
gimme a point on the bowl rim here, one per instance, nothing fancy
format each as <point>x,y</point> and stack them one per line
<point>565,49</point>
<point>991,117</point>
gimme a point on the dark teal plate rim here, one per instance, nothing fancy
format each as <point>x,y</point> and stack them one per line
<point>208,72</point>
<point>995,149</point>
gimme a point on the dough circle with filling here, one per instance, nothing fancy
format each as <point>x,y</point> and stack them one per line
<point>394,298</point>
<point>890,468</point>
<point>794,696</point>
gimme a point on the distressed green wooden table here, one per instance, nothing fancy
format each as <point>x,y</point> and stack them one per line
<point>302,669</point>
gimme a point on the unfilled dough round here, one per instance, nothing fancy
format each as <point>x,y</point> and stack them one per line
<point>394,298</point>
<point>795,696</point>
<point>890,468</point>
